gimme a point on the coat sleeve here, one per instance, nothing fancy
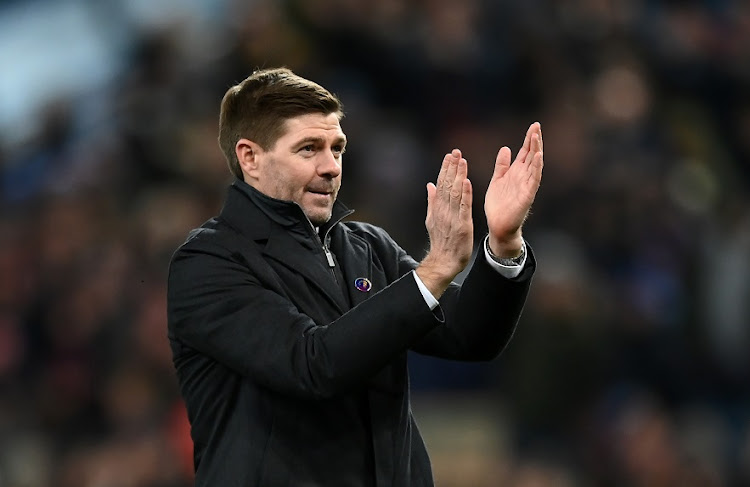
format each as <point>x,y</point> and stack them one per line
<point>216,306</point>
<point>480,315</point>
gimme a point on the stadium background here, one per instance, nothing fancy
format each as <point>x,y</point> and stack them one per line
<point>630,366</point>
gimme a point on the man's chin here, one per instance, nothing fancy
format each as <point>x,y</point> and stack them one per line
<point>319,218</point>
<point>319,209</point>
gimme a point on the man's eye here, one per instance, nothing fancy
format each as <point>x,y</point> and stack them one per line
<point>339,148</point>
<point>307,148</point>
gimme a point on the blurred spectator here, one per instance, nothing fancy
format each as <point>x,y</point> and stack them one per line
<point>629,366</point>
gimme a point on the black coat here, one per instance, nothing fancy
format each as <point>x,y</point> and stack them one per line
<point>294,377</point>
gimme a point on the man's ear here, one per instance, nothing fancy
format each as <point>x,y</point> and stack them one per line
<point>248,153</point>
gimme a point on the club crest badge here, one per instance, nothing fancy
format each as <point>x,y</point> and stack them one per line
<point>363,284</point>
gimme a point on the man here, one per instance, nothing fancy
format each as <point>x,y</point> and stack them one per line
<point>290,328</point>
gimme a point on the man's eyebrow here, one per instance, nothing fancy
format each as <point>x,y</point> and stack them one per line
<point>320,140</point>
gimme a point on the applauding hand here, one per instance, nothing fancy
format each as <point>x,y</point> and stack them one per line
<point>512,191</point>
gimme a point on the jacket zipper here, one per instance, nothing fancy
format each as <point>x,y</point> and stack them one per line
<point>329,255</point>
<point>326,251</point>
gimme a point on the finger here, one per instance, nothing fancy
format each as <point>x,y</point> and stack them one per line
<point>535,170</point>
<point>443,170</point>
<point>431,190</point>
<point>526,147</point>
<point>450,173</point>
<point>457,190</point>
<point>538,165</point>
<point>536,142</point>
<point>466,200</point>
<point>502,163</point>
<point>539,131</point>
<point>535,149</point>
<point>524,150</point>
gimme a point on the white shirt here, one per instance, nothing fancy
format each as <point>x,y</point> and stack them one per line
<point>509,271</point>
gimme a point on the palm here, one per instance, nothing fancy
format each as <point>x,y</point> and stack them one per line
<point>513,186</point>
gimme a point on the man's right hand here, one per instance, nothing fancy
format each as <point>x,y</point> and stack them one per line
<point>449,225</point>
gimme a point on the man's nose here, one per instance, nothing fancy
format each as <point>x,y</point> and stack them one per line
<point>329,165</point>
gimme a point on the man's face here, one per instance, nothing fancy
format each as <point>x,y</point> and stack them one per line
<point>304,165</point>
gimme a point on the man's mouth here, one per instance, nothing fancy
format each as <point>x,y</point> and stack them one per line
<point>319,191</point>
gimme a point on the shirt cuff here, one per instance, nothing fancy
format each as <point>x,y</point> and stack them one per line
<point>507,271</point>
<point>426,294</point>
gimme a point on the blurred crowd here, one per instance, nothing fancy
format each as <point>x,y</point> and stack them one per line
<point>630,366</point>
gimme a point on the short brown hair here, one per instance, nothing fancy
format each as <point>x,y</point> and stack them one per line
<point>257,108</point>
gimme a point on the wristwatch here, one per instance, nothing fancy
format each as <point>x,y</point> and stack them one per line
<point>510,262</point>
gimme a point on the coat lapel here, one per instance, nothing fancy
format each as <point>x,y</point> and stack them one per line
<point>286,241</point>
<point>307,261</point>
<point>356,263</point>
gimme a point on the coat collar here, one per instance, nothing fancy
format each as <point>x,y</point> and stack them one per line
<point>253,214</point>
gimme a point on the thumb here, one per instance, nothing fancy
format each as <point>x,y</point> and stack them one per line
<point>431,190</point>
<point>502,163</point>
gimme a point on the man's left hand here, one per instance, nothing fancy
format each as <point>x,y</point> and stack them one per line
<point>511,192</point>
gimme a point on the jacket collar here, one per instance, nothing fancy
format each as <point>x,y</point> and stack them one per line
<point>252,213</point>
